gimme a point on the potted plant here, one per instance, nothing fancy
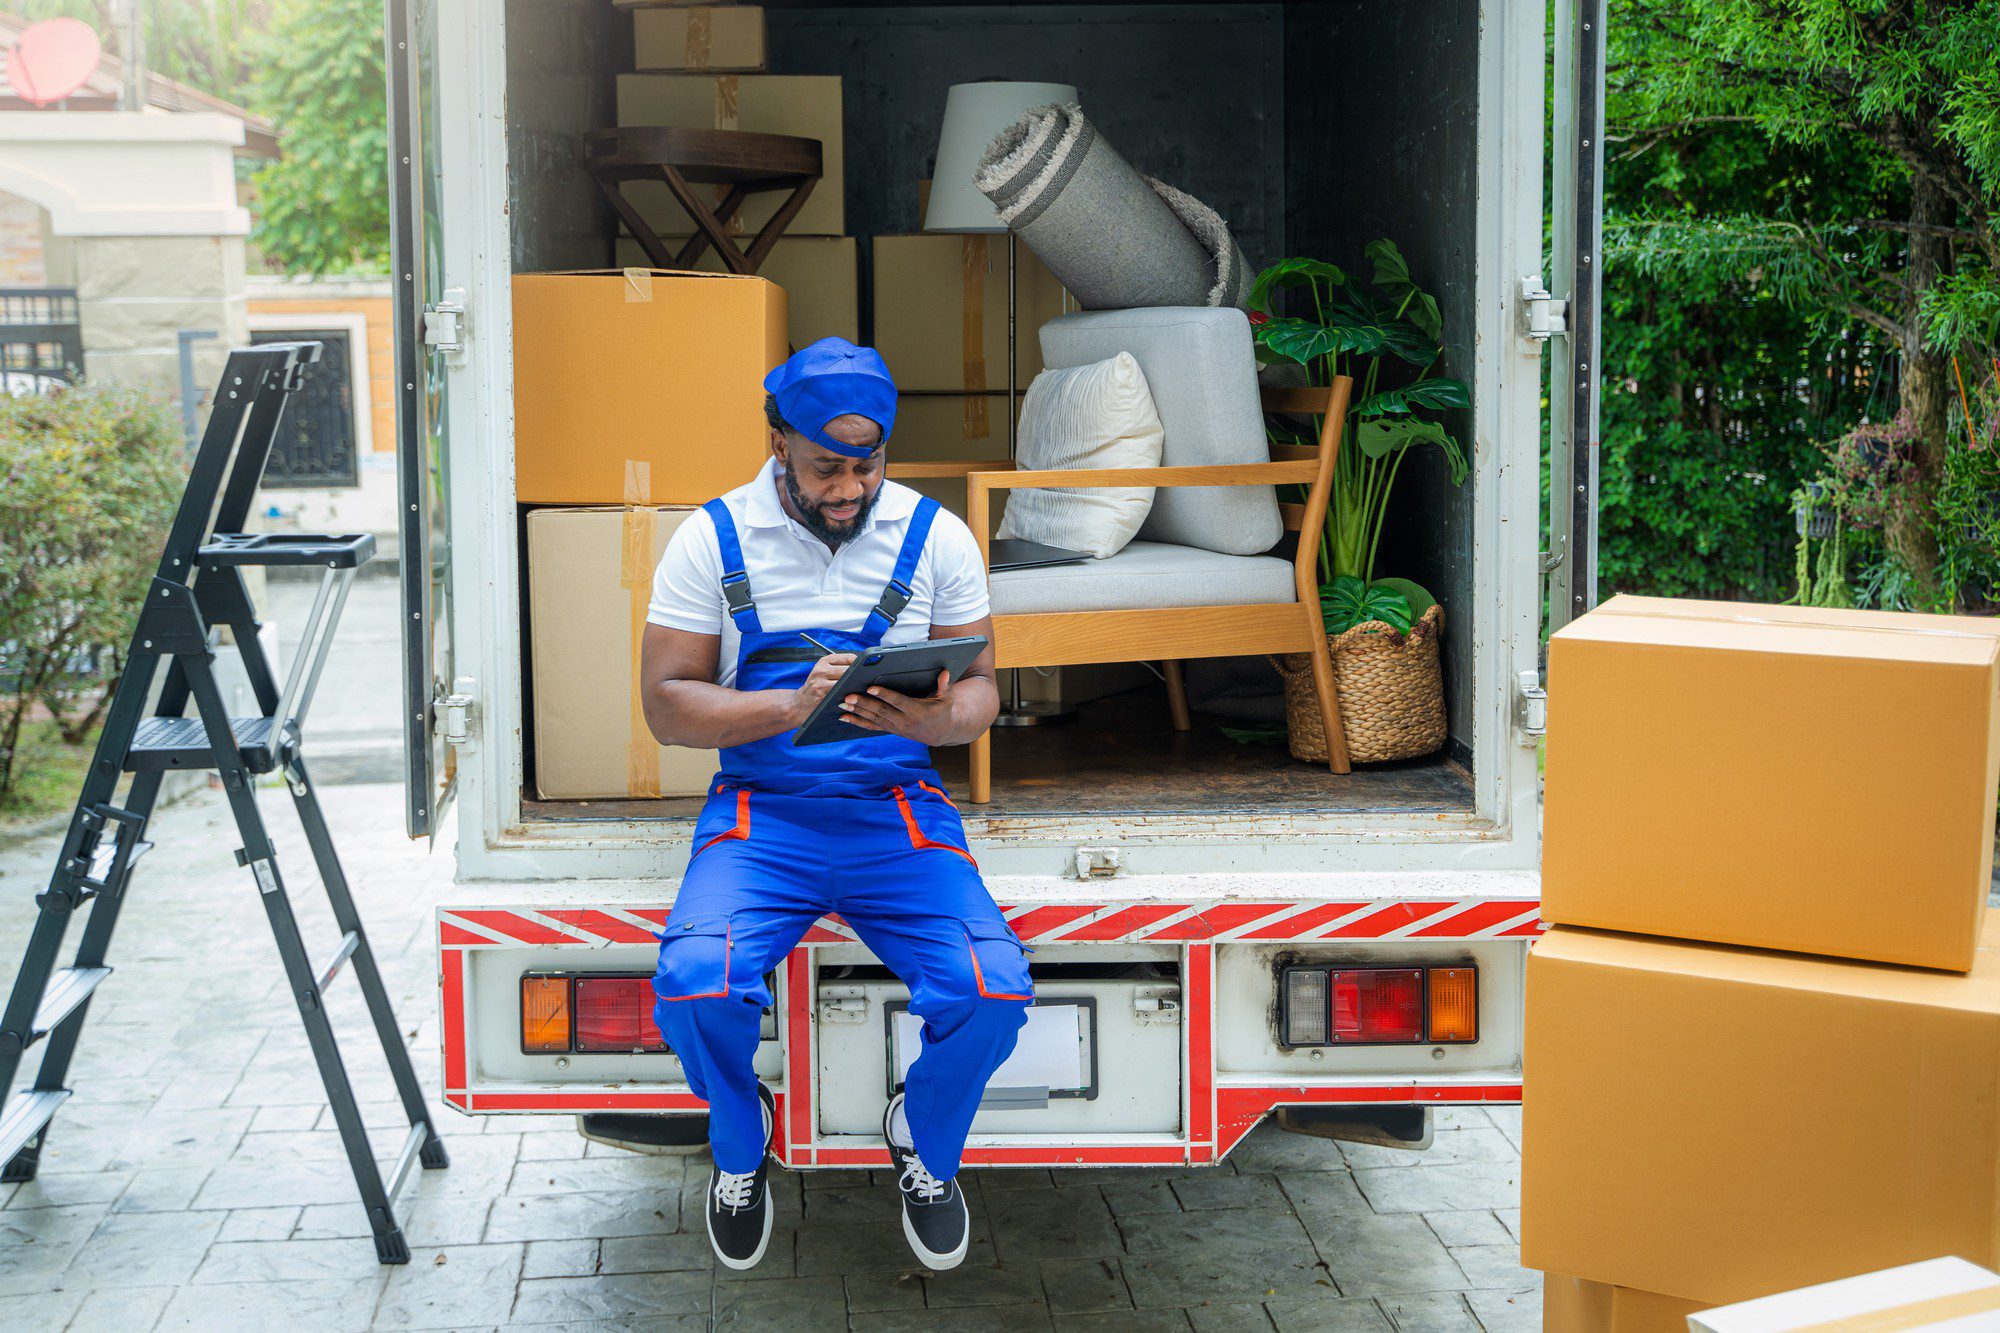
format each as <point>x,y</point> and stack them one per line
<point>1384,631</point>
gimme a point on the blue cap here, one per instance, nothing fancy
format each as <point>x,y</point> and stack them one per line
<point>834,378</point>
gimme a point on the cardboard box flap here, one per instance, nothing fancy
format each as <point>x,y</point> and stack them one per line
<point>1946,640</point>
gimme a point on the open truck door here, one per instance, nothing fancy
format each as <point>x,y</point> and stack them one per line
<point>429,330</point>
<point>1575,321</point>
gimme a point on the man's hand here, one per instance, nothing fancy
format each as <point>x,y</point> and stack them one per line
<point>925,721</point>
<point>825,673</point>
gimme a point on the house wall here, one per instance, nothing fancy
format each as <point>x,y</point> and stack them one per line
<point>23,231</point>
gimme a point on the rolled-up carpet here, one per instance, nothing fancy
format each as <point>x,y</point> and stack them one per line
<point>1115,239</point>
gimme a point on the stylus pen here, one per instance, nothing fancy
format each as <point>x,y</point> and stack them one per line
<point>815,643</point>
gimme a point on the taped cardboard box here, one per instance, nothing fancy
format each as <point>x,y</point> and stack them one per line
<point>817,273</point>
<point>804,106</point>
<point>722,39</point>
<point>948,428</point>
<point>941,311</point>
<point>1788,778</point>
<point>1719,1124</point>
<point>1575,1305</point>
<point>590,578</point>
<point>1939,1294</point>
<point>639,386</point>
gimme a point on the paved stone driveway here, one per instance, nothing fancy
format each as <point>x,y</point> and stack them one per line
<point>194,1180</point>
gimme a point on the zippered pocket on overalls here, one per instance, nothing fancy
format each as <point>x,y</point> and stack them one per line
<point>783,655</point>
<point>694,959</point>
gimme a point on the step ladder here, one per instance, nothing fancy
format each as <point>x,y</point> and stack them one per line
<point>199,586</point>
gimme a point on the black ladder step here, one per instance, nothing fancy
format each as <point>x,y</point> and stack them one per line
<point>338,550</point>
<point>67,991</point>
<point>182,742</point>
<point>348,943</point>
<point>26,1113</point>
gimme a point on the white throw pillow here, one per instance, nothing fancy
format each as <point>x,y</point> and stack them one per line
<point>1095,416</point>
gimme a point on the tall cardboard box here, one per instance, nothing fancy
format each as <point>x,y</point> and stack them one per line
<point>590,577</point>
<point>720,39</point>
<point>941,311</point>
<point>641,387</point>
<point>1576,1305</point>
<point>804,106</point>
<point>1816,781</point>
<point>818,274</point>
<point>1718,1124</point>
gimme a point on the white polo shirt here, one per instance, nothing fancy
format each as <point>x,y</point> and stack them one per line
<point>799,584</point>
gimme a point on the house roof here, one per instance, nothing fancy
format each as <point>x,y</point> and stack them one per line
<point>101,90</point>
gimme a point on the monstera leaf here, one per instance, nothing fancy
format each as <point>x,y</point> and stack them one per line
<point>1374,327</point>
<point>1424,393</point>
<point>1392,275</point>
<point>1292,273</point>
<point>1379,437</point>
<point>1346,602</point>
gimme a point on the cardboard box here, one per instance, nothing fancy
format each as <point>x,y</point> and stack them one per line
<point>805,106</point>
<point>1941,1293</point>
<point>817,273</point>
<point>1719,1124</point>
<point>941,311</point>
<point>1817,781</point>
<point>949,428</point>
<point>719,39</point>
<point>1575,1305</point>
<point>590,577</point>
<point>641,386</point>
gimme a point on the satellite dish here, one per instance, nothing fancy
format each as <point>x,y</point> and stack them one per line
<point>51,59</point>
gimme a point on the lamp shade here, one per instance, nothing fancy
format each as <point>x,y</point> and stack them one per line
<point>973,114</point>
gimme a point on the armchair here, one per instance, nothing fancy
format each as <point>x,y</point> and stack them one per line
<point>1198,581</point>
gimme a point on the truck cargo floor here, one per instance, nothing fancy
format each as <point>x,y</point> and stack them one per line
<point>1121,756</point>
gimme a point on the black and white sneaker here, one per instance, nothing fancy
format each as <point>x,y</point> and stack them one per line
<point>936,1221</point>
<point>739,1206</point>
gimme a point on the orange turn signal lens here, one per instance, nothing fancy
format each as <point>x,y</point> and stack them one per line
<point>545,1016</point>
<point>1454,1004</point>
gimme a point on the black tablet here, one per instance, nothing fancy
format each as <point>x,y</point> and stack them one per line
<point>907,668</point>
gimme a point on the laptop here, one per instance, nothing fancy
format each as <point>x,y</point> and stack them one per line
<point>1014,553</point>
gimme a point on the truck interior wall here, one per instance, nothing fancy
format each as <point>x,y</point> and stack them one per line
<point>1156,79</point>
<point>1381,118</point>
<point>561,55</point>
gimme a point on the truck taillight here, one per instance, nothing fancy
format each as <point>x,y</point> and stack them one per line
<point>616,1014</point>
<point>1332,1005</point>
<point>545,1021</point>
<point>590,1014</point>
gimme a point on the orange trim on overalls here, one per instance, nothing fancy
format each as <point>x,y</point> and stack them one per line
<point>939,794</point>
<point>741,833</point>
<point>917,838</point>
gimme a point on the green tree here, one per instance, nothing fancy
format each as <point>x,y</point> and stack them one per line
<point>324,206</point>
<point>1897,103</point>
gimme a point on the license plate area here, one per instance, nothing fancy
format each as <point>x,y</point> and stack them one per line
<point>1055,1056</point>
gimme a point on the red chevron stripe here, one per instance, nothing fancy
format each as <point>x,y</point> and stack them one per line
<point>602,924</point>
<point>1291,927</point>
<point>1474,919</point>
<point>1120,924</point>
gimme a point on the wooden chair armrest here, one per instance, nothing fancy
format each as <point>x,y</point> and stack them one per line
<point>1223,474</point>
<point>947,468</point>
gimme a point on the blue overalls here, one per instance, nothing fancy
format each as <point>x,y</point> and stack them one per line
<point>860,827</point>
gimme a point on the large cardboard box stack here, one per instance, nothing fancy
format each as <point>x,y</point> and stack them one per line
<point>941,311</point>
<point>1763,1040</point>
<point>590,578</point>
<point>640,387</point>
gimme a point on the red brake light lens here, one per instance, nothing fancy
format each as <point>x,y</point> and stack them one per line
<point>616,1014</point>
<point>1378,1005</point>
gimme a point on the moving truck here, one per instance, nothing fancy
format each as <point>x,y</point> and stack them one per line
<point>1193,922</point>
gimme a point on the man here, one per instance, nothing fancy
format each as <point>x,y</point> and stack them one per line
<point>817,550</point>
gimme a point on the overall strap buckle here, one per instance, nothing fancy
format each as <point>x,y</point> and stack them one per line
<point>894,598</point>
<point>736,592</point>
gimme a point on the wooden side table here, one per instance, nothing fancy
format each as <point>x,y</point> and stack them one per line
<point>684,158</point>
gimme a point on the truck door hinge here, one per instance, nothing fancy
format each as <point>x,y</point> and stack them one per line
<point>1542,315</point>
<point>1162,1007</point>
<point>445,325</point>
<point>1096,862</point>
<point>843,1004</point>
<point>457,713</point>
<point>1531,705</point>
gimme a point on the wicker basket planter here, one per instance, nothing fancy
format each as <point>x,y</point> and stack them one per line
<point>1391,689</point>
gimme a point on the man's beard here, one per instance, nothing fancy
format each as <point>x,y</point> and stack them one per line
<point>816,522</point>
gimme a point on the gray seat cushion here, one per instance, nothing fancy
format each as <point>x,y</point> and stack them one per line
<point>1145,576</point>
<point>1202,370</point>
